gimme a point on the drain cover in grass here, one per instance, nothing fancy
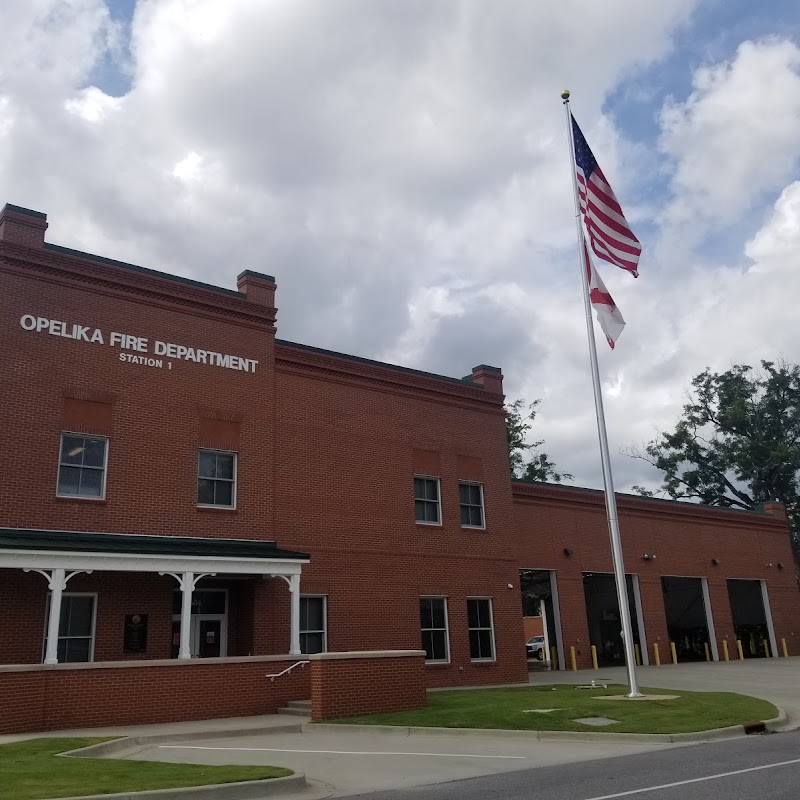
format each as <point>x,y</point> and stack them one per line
<point>597,722</point>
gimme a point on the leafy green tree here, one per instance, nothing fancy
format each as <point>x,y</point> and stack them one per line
<point>519,420</point>
<point>737,443</point>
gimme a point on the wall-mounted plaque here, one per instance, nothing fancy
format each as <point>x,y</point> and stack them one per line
<point>135,639</point>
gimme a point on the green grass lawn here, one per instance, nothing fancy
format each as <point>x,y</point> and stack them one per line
<point>505,708</point>
<point>32,770</point>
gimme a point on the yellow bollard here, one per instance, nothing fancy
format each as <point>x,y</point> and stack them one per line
<point>739,648</point>
<point>766,648</point>
<point>638,655</point>
<point>572,658</point>
<point>783,647</point>
<point>708,652</point>
<point>594,656</point>
<point>656,658</point>
<point>674,653</point>
<point>725,649</point>
<point>553,658</point>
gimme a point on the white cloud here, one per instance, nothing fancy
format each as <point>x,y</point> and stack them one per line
<point>736,135</point>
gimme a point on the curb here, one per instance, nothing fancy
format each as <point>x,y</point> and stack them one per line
<point>241,790</point>
<point>127,744</point>
<point>730,732</point>
<point>244,790</point>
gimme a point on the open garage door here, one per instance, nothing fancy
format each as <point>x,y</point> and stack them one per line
<point>602,615</point>
<point>752,623</point>
<point>540,593</point>
<point>689,621</point>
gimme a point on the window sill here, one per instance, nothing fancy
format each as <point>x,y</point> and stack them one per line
<point>429,524</point>
<point>70,498</point>
<point>473,527</point>
<point>437,665</point>
<point>216,508</point>
<point>483,662</point>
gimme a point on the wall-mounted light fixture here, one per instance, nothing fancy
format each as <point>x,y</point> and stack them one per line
<point>648,557</point>
<point>715,561</point>
<point>568,551</point>
<point>780,565</point>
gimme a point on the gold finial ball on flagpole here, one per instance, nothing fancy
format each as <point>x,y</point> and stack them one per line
<point>565,94</point>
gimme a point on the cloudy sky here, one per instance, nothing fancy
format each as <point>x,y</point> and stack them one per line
<point>401,167</point>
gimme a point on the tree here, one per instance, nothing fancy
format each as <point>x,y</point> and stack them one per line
<point>519,419</point>
<point>737,444</point>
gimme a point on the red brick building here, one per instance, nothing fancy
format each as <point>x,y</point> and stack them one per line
<point>188,491</point>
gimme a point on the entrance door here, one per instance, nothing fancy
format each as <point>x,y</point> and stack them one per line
<point>209,626</point>
<point>207,637</point>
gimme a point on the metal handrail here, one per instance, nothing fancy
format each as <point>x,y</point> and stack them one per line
<point>288,669</point>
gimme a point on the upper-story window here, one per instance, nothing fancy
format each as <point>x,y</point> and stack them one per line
<point>471,498</point>
<point>216,479</point>
<point>427,503</point>
<point>82,466</point>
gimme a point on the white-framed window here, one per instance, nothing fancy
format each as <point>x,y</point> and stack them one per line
<point>216,479</point>
<point>470,496</point>
<point>481,628</point>
<point>433,625</point>
<point>427,500</point>
<point>75,628</point>
<point>313,623</point>
<point>82,466</point>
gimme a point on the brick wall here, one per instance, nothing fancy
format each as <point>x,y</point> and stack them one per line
<point>44,698</point>
<point>156,418</point>
<point>685,539</point>
<point>348,684</point>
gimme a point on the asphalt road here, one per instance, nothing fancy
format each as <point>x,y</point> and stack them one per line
<point>739,769</point>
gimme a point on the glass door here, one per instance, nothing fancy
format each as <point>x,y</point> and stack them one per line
<point>209,626</point>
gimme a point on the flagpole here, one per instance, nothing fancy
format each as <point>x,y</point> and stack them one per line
<point>611,500</point>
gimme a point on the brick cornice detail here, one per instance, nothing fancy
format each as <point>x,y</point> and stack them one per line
<point>72,271</point>
<point>553,495</point>
<point>344,370</point>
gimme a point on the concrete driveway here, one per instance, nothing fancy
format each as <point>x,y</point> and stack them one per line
<point>773,679</point>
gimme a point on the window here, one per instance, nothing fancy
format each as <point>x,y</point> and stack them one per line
<point>312,624</point>
<point>82,466</point>
<point>216,479</point>
<point>481,633</point>
<point>427,508</point>
<point>471,498</point>
<point>75,629</point>
<point>433,622</point>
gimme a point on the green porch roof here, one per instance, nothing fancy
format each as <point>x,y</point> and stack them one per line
<point>135,544</point>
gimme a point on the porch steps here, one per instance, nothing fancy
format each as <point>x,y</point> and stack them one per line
<point>297,708</point>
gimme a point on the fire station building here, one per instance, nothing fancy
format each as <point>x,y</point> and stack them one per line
<point>193,509</point>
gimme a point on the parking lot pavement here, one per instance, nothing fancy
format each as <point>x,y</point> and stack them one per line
<point>773,679</point>
<point>353,761</point>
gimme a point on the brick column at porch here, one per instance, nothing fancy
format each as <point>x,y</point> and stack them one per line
<point>370,682</point>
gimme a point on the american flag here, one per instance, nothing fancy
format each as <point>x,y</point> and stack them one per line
<point>609,233</point>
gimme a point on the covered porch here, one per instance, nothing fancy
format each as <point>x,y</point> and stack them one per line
<point>107,597</point>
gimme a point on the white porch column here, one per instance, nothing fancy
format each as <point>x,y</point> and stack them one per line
<point>294,589</point>
<point>187,587</point>
<point>57,583</point>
